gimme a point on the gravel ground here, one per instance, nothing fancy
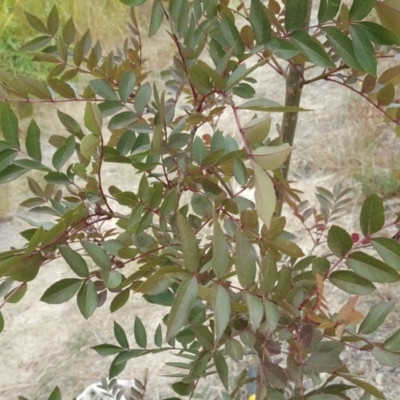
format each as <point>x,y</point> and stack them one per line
<point>43,345</point>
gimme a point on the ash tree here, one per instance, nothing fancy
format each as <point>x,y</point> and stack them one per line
<point>205,228</point>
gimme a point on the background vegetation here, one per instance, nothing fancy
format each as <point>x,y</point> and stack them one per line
<point>110,24</point>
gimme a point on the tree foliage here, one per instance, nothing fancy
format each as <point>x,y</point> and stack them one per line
<point>204,225</point>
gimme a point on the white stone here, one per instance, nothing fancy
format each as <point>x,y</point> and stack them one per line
<point>98,391</point>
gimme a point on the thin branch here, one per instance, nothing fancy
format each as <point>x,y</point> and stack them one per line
<point>325,75</point>
<point>364,96</point>
<point>223,183</point>
<point>99,175</point>
<point>241,131</point>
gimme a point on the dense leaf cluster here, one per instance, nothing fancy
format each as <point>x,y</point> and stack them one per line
<point>204,228</point>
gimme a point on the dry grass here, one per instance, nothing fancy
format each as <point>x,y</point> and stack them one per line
<point>358,144</point>
<point>105,18</point>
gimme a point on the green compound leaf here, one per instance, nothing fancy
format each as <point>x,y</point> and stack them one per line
<point>276,375</point>
<point>389,250</point>
<point>181,388</point>
<point>140,333</point>
<point>266,105</point>
<point>64,153</point>
<point>89,145</point>
<point>272,315</point>
<point>122,120</point>
<point>161,280</point>
<point>311,49</point>
<point>54,234</point>
<point>185,336</point>
<point>222,309</point>
<point>257,129</point>
<point>339,241</point>
<point>103,89</point>
<point>112,279</point>
<point>245,260</point>
<point>36,43</point>
<point>295,14</point>
<point>97,254</point>
<point>61,291</point>
<point>157,15</point>
<point>32,142</point>
<point>7,157</point>
<point>392,343</point>
<point>27,268</point>
<point>217,79</point>
<point>132,3</point>
<point>108,108</point>
<point>69,32</point>
<point>259,22</point>
<point>343,45</point>
<point>231,34</point>
<point>360,9</point>
<point>5,286</point>
<point>255,307</point>
<point>222,368</point>
<point>200,79</point>
<point>220,258</point>
<point>9,126</point>
<point>1,322</point>
<point>328,10</point>
<point>371,268</point>
<point>389,14</point>
<point>70,124</point>
<point>57,178</point>
<point>53,21</point>
<point>265,195</point>
<point>158,336</point>
<point>120,335</point>
<point>36,23</point>
<point>11,173</point>
<point>372,216</point>
<point>87,299</point>
<point>142,97</point>
<point>351,283</point>
<point>363,49</point>
<point>271,157</point>
<point>190,250</point>
<point>386,357</point>
<point>17,294</point>
<point>119,300</point>
<point>321,362</point>
<point>363,385</point>
<point>201,205</point>
<point>240,171</point>
<point>375,317</point>
<point>55,394</point>
<point>268,272</point>
<point>234,349</point>
<point>282,48</point>
<point>105,350</point>
<point>117,366</point>
<point>126,85</point>
<point>180,310</point>
<point>379,34</point>
<point>93,119</point>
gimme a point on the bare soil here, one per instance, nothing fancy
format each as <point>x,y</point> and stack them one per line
<point>44,345</point>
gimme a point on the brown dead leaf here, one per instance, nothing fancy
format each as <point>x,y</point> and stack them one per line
<point>348,315</point>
